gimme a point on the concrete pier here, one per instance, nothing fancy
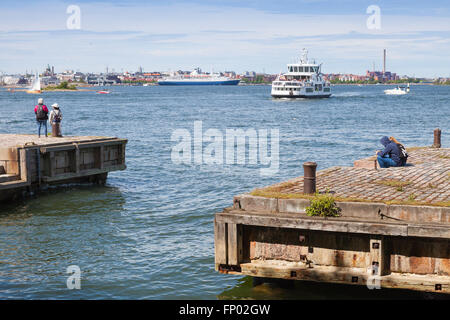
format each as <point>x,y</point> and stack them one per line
<point>28,163</point>
<point>393,231</point>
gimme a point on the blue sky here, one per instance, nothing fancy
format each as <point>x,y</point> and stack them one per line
<point>225,35</point>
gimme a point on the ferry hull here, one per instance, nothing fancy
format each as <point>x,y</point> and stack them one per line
<point>198,83</point>
<point>302,96</point>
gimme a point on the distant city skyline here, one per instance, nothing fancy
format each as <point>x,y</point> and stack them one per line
<point>225,35</point>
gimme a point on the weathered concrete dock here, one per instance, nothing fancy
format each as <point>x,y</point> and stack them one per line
<point>28,163</point>
<point>393,230</point>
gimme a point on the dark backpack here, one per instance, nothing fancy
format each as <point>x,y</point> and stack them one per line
<point>403,153</point>
<point>40,113</point>
<point>57,117</point>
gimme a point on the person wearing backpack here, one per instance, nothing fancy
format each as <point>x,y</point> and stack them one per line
<point>393,155</point>
<point>403,153</point>
<point>41,112</point>
<point>55,120</point>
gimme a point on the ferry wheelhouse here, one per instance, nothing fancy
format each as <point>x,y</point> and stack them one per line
<point>303,80</point>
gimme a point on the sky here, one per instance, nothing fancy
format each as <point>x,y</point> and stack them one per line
<point>219,35</point>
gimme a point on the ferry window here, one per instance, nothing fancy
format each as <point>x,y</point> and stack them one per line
<point>295,69</point>
<point>300,69</point>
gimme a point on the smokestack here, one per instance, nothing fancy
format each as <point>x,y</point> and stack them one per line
<point>384,61</point>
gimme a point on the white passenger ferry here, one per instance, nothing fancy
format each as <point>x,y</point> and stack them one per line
<point>303,80</point>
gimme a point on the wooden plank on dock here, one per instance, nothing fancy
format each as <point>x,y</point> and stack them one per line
<point>24,174</point>
<point>379,257</point>
<point>77,160</point>
<point>14,184</point>
<point>234,244</point>
<point>314,223</point>
<point>101,156</point>
<point>355,276</point>
<point>82,173</point>
<point>52,164</point>
<point>220,243</point>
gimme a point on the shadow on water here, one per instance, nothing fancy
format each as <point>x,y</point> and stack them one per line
<point>279,289</point>
<point>64,200</point>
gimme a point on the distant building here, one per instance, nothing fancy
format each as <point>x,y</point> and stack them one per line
<point>67,75</point>
<point>11,80</point>
<point>50,71</point>
<point>229,74</point>
<point>49,80</point>
<point>382,76</point>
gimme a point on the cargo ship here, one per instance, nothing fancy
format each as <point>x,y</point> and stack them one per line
<point>197,77</point>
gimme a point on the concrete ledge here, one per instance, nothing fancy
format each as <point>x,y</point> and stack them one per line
<point>293,205</point>
<point>365,210</point>
<point>419,213</point>
<point>362,209</point>
<point>252,203</point>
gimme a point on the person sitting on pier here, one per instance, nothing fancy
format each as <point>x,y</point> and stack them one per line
<point>393,155</point>
<point>55,120</point>
<point>41,112</point>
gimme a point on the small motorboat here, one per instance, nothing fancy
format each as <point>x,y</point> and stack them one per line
<point>398,91</point>
<point>103,92</point>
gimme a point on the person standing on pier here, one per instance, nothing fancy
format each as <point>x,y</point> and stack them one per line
<point>41,112</point>
<point>393,155</point>
<point>55,120</point>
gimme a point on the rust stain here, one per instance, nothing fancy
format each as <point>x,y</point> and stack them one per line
<point>445,266</point>
<point>355,257</point>
<point>252,249</point>
<point>421,265</point>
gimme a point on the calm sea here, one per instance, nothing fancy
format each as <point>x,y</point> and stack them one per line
<point>148,234</point>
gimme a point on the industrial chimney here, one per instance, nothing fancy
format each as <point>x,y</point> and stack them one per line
<point>384,61</point>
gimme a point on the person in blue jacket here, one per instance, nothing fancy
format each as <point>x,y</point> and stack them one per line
<point>393,155</point>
